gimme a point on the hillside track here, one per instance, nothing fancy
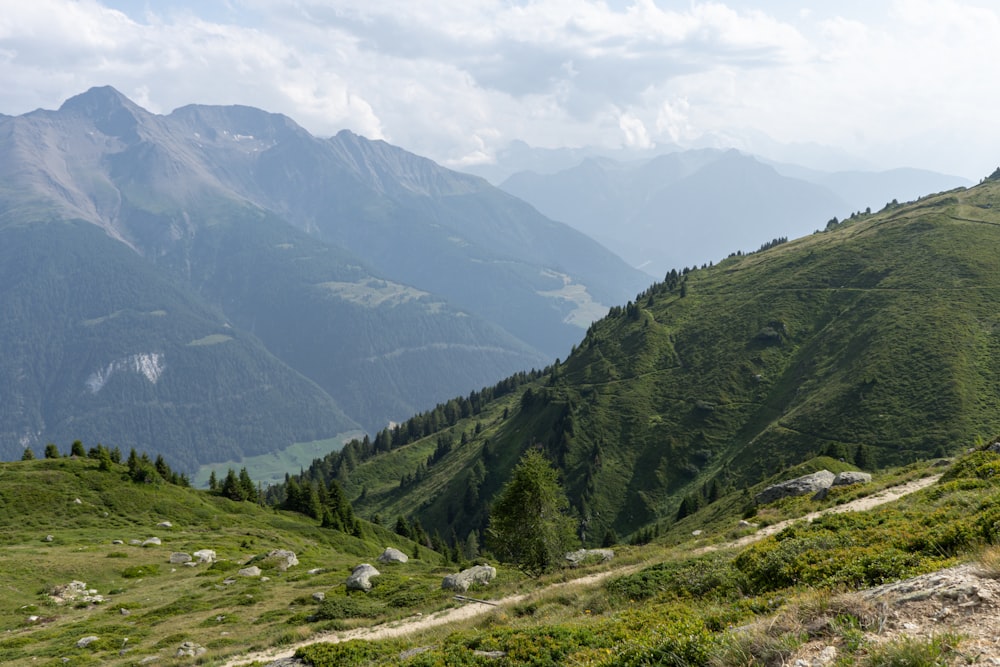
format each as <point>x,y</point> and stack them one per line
<point>471,610</point>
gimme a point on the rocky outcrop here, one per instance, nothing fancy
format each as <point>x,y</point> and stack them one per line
<point>391,555</point>
<point>461,581</point>
<point>595,555</point>
<point>360,579</point>
<point>799,486</point>
<point>75,591</point>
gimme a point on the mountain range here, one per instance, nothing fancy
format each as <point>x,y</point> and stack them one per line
<point>218,282</point>
<point>687,208</point>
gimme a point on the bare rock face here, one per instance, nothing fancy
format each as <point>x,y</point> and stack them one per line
<point>849,477</point>
<point>799,486</point>
<point>360,579</point>
<point>391,555</point>
<point>461,581</point>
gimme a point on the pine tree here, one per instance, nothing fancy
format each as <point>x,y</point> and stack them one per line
<point>28,455</point>
<point>529,526</point>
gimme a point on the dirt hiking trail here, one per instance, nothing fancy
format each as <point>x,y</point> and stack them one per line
<point>417,623</point>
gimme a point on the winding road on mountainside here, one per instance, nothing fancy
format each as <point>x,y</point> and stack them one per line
<point>471,610</point>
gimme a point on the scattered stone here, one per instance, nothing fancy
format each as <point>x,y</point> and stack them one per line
<point>204,556</point>
<point>148,659</point>
<point>601,555</point>
<point>461,581</point>
<point>117,542</point>
<point>77,501</point>
<point>825,657</point>
<point>48,538</point>
<point>849,477</point>
<point>360,579</point>
<point>75,591</point>
<point>252,571</point>
<point>490,654</point>
<point>153,541</point>
<point>287,662</point>
<point>228,581</point>
<point>124,611</point>
<point>135,543</point>
<point>318,596</point>
<point>315,570</point>
<point>743,523</point>
<point>179,558</point>
<point>391,555</point>
<point>86,641</point>
<point>265,578</point>
<point>696,533</point>
<point>796,487</point>
<point>190,650</point>
<point>191,564</point>
<point>164,524</point>
<point>33,618</point>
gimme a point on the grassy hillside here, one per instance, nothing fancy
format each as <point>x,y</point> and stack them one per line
<point>764,604</point>
<point>873,341</point>
<point>150,605</point>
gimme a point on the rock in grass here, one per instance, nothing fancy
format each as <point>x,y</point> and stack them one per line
<point>391,555</point>
<point>461,581</point>
<point>48,538</point>
<point>796,487</point>
<point>190,650</point>
<point>360,579</point>
<point>164,524</point>
<point>204,556</point>
<point>151,542</point>
<point>849,477</point>
<point>179,558</point>
<point>252,571</point>
<point>86,641</point>
<point>580,555</point>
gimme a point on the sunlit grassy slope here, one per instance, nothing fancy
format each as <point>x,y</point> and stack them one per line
<point>874,340</point>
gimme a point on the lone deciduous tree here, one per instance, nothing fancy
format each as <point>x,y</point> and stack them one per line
<point>529,526</point>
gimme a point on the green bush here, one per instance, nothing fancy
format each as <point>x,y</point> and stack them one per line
<point>351,606</point>
<point>139,571</point>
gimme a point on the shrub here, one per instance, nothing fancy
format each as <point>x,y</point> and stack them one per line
<point>138,571</point>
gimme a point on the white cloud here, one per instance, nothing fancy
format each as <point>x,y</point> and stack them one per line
<point>458,79</point>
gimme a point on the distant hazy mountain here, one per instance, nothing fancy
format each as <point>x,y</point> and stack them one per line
<point>218,282</point>
<point>692,207</point>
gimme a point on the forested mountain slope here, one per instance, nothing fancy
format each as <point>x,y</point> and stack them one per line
<point>875,340</point>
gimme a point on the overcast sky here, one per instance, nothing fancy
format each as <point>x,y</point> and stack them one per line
<point>895,83</point>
